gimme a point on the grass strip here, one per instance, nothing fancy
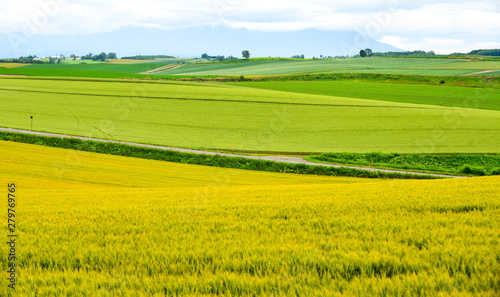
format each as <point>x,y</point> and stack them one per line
<point>462,81</point>
<point>199,159</point>
<point>462,164</point>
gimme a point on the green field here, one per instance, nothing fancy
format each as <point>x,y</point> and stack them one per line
<point>472,65</point>
<point>225,117</point>
<point>408,71</point>
<point>66,73</point>
<point>395,92</point>
<point>104,67</point>
<point>448,164</point>
<point>454,68</point>
<point>281,67</point>
<point>259,67</point>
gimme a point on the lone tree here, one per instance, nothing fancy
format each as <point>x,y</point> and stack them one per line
<point>102,56</point>
<point>245,54</point>
<point>365,53</point>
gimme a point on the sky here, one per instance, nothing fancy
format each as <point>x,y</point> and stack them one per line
<point>439,25</point>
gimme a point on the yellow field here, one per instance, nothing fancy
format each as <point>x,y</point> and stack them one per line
<point>40,167</point>
<point>12,65</point>
<point>99,225</point>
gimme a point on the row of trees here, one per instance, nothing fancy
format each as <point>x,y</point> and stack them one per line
<point>33,59</point>
<point>482,52</point>
<point>29,59</point>
<point>102,56</point>
<point>218,57</point>
<point>54,60</point>
<point>406,54</point>
<point>148,57</point>
<point>365,53</point>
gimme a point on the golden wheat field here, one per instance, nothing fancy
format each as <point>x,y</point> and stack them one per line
<point>101,225</point>
<point>12,65</point>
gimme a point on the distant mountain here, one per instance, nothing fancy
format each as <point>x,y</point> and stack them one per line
<point>192,42</point>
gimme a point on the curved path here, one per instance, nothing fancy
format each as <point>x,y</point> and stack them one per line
<point>162,69</point>
<point>294,160</point>
<point>479,72</point>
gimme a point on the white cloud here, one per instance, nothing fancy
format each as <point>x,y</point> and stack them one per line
<point>445,28</point>
<point>444,24</point>
<point>438,45</point>
<point>446,19</point>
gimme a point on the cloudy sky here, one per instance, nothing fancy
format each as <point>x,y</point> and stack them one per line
<point>444,26</point>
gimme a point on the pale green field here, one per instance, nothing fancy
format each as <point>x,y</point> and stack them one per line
<point>211,116</point>
<point>407,71</point>
<point>472,65</point>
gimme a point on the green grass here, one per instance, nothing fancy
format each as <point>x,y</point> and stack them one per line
<point>102,67</point>
<point>73,62</point>
<point>280,67</point>
<point>406,93</point>
<point>406,71</point>
<point>448,164</point>
<point>473,81</point>
<point>222,117</point>
<point>66,73</point>
<point>473,65</point>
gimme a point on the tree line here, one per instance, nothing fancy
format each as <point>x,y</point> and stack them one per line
<point>102,56</point>
<point>217,58</point>
<point>29,59</point>
<point>244,53</point>
<point>483,52</point>
<point>417,53</point>
<point>148,57</point>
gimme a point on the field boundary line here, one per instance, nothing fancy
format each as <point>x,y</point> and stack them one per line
<point>290,160</point>
<point>479,72</point>
<point>161,69</point>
